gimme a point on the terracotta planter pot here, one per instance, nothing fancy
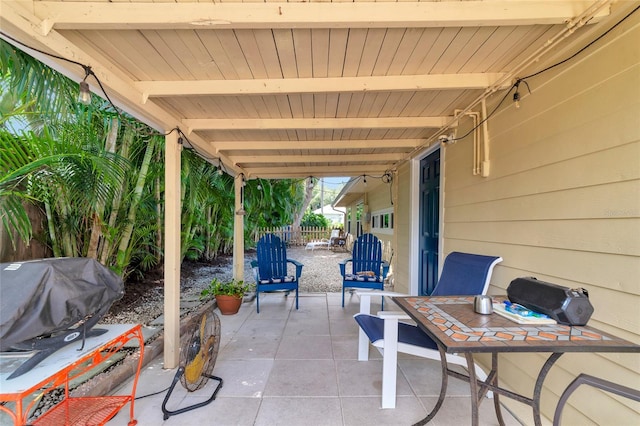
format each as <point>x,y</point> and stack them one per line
<point>228,305</point>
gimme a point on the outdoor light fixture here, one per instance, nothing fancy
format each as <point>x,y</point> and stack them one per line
<point>516,95</point>
<point>241,211</point>
<point>84,96</point>
<point>311,185</point>
<point>364,180</point>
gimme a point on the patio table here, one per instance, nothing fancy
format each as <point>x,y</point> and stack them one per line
<point>454,326</point>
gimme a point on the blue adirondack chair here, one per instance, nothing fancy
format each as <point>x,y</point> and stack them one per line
<point>462,274</point>
<point>270,270</point>
<point>368,270</point>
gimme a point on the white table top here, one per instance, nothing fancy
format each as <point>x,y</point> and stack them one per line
<point>54,363</point>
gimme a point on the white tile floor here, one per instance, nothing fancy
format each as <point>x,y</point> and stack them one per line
<point>287,367</point>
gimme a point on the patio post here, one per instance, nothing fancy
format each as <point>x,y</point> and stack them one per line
<point>172,251</point>
<point>238,229</point>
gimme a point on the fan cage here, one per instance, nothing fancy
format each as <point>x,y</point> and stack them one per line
<point>199,351</point>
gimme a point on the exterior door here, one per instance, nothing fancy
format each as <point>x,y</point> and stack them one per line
<point>429,221</point>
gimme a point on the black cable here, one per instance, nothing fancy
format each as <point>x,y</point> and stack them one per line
<point>487,117</point>
<point>192,147</point>
<point>41,51</point>
<point>523,79</point>
<point>88,72</point>
<point>152,394</point>
<point>584,48</point>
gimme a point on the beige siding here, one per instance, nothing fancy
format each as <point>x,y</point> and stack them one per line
<point>562,203</point>
<point>379,199</point>
<point>402,230</point>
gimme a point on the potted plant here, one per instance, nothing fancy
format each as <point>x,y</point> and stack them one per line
<point>228,294</point>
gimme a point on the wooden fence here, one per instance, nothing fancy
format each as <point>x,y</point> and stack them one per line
<point>295,236</point>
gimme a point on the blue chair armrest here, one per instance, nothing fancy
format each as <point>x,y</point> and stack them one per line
<point>343,265</point>
<point>385,269</point>
<point>298,266</point>
<point>256,270</point>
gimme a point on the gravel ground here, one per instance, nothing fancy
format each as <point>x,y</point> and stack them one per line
<point>143,300</point>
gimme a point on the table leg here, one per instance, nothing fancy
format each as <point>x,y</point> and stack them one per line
<point>138,335</point>
<point>494,381</point>
<point>473,385</point>
<point>479,389</point>
<point>538,387</point>
<point>443,388</point>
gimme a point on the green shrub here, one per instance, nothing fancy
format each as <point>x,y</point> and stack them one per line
<point>228,288</point>
<point>314,220</point>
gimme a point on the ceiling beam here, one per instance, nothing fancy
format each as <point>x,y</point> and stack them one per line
<point>316,171</point>
<point>331,158</point>
<point>320,85</point>
<point>314,123</point>
<point>99,15</point>
<point>318,144</point>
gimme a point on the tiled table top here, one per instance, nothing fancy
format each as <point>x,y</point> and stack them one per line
<point>453,322</point>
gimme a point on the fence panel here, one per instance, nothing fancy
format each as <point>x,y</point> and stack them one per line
<point>296,236</point>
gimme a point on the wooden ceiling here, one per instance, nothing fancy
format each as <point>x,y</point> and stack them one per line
<point>296,89</point>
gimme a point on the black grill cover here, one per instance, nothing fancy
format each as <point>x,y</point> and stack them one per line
<point>46,296</point>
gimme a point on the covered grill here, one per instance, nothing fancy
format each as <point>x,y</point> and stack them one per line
<point>46,304</point>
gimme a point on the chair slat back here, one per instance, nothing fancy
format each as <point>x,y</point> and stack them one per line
<point>272,257</point>
<point>465,274</point>
<point>367,254</point>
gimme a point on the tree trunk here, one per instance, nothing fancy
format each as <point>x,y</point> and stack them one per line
<point>52,231</point>
<point>106,250</point>
<point>160,215</point>
<point>123,249</point>
<point>96,226</point>
<point>308,195</point>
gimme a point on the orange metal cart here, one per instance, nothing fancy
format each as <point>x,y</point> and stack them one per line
<point>59,369</point>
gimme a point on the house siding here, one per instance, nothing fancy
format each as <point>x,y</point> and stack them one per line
<point>403,214</point>
<point>562,203</point>
<point>379,200</point>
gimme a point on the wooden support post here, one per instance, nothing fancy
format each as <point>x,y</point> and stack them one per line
<point>238,229</point>
<point>172,251</point>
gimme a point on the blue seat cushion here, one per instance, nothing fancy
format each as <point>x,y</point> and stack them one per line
<point>277,280</point>
<point>363,278</point>
<point>407,333</point>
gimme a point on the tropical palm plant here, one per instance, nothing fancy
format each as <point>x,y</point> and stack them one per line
<point>97,176</point>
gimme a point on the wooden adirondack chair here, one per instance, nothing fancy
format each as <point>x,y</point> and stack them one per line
<point>368,270</point>
<point>270,269</point>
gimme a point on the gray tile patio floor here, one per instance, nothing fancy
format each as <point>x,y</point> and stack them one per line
<point>287,367</point>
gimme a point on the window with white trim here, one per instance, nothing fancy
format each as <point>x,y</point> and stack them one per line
<point>382,221</point>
